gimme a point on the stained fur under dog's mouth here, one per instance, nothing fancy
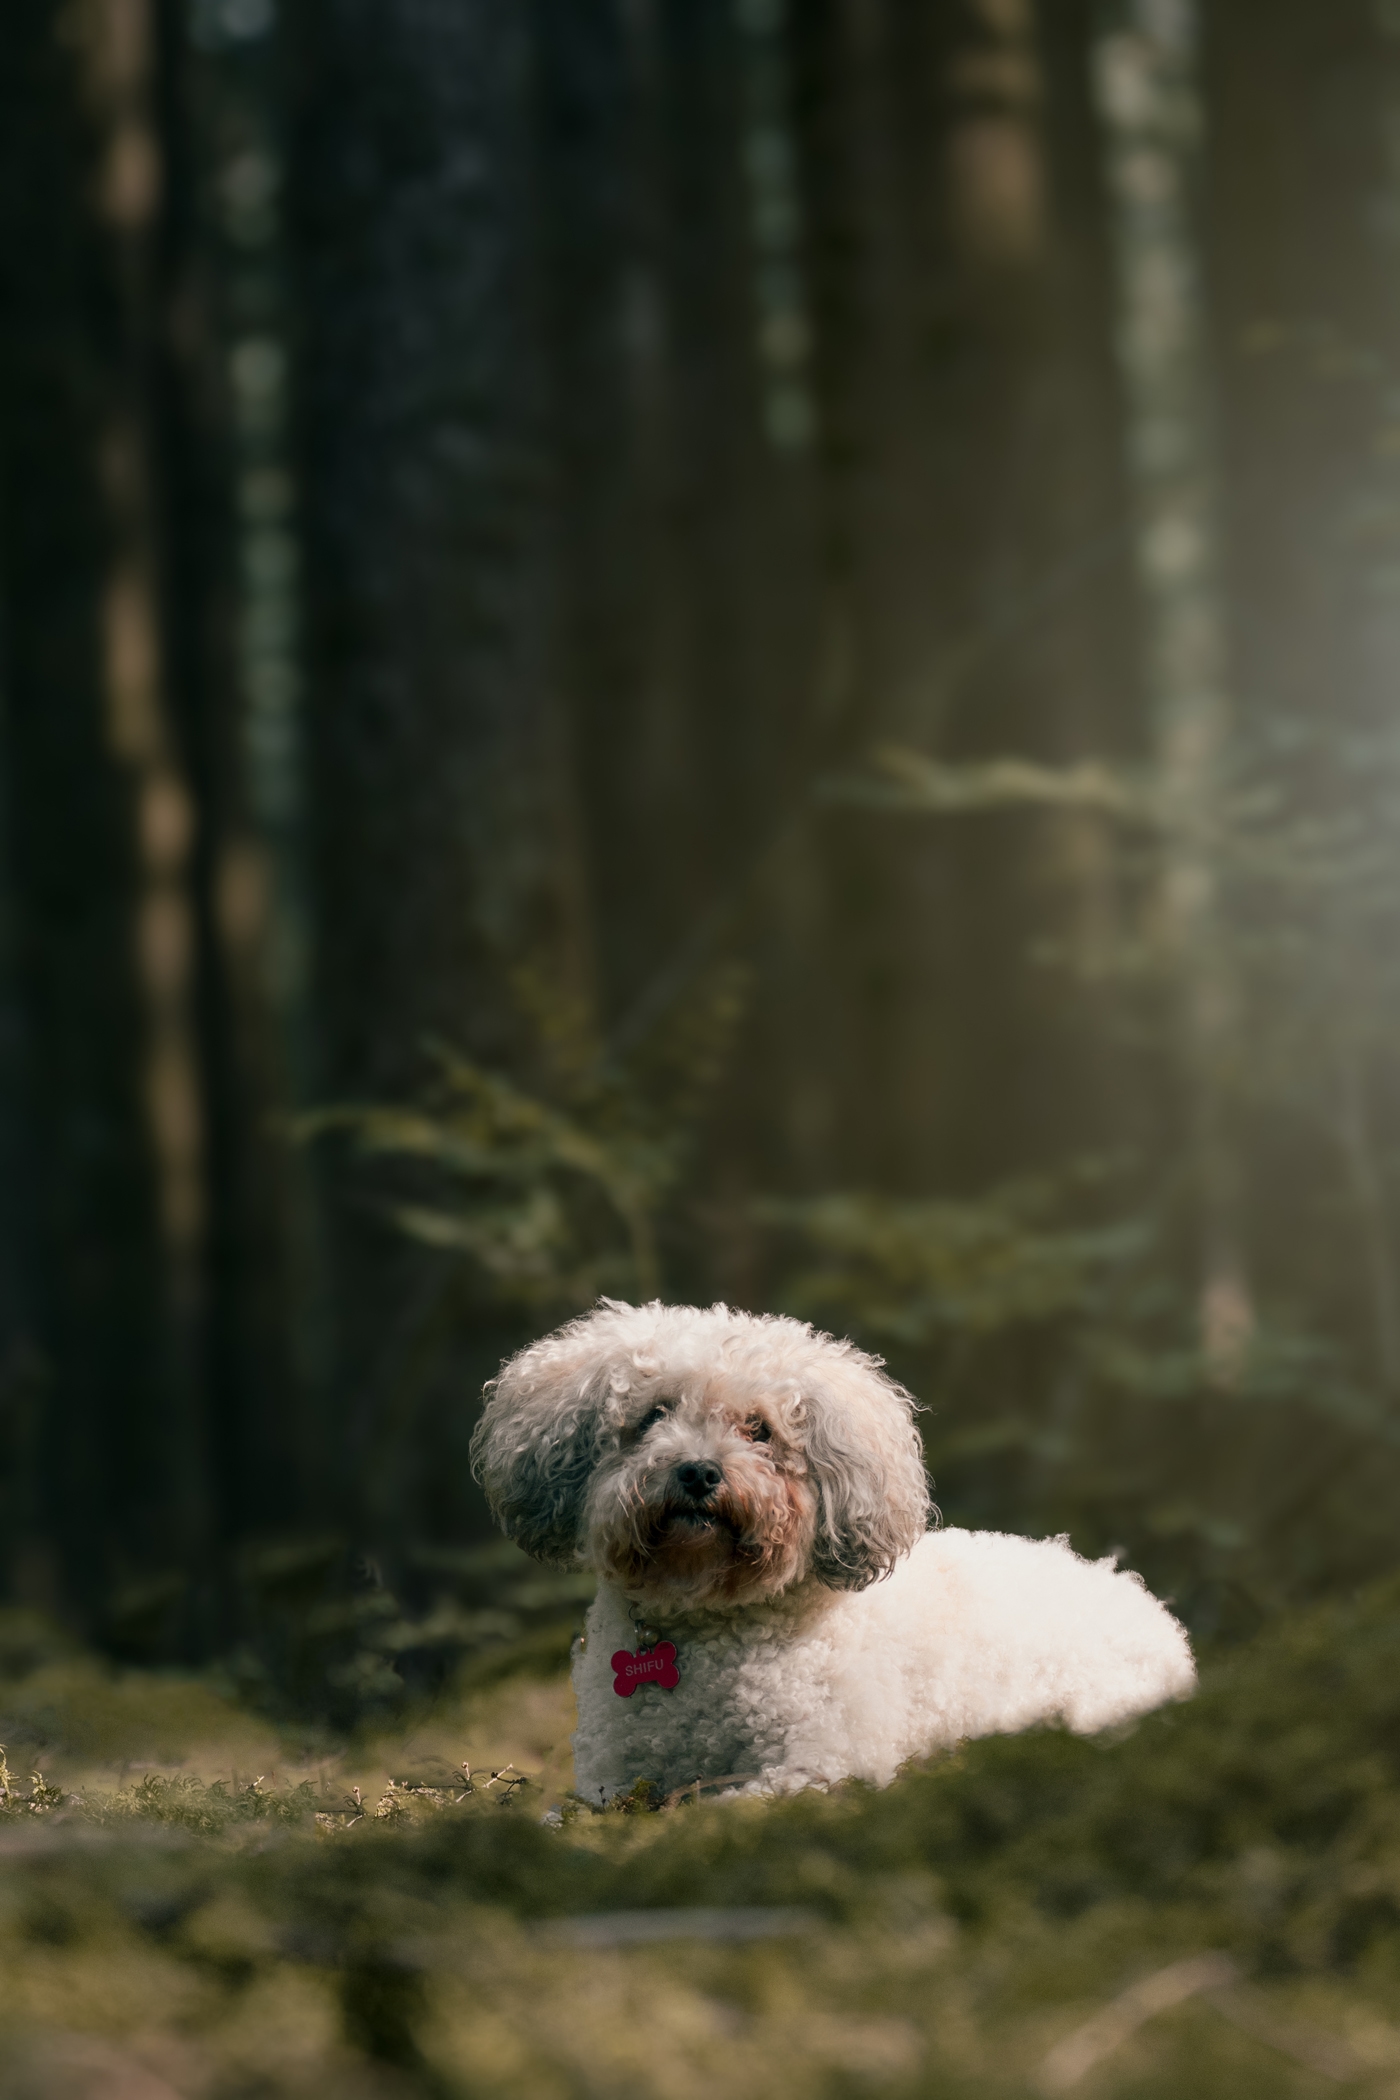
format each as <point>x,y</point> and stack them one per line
<point>689,1527</point>
<point>692,1521</point>
<point>680,1535</point>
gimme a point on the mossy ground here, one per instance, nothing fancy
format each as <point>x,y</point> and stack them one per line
<point>180,1930</point>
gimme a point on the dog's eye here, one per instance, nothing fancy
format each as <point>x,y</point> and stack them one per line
<point>759,1432</point>
<point>649,1420</point>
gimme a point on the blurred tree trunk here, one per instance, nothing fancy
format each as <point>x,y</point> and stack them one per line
<point>233,614</point>
<point>604,344</point>
<point>689,549</point>
<point>963,305</point>
<point>1304,173</point>
<point>799,579</point>
<point>1147,68</point>
<point>100,830</point>
<point>442,827</point>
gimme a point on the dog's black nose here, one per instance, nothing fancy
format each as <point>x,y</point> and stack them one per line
<point>699,1477</point>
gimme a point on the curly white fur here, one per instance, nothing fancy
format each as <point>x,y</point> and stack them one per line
<point>755,1492</point>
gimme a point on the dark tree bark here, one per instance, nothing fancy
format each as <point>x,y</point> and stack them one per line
<point>964,306</point>
<point>693,527</point>
<point>97,828</point>
<point>234,649</point>
<point>442,853</point>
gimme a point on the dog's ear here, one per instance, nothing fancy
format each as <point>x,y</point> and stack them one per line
<point>535,1447</point>
<point>865,1460</point>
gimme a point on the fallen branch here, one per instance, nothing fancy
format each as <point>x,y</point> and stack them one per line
<point>1074,2057</point>
<point>1216,1978</point>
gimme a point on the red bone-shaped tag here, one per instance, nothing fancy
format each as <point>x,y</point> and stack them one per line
<point>648,1666</point>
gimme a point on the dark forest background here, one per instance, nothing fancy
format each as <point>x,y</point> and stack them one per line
<point>711,647</point>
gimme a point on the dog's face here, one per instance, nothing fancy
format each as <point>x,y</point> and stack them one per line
<point>701,1496</point>
<point>703,1457</point>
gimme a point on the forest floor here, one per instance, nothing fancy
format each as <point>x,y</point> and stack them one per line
<point>193,1903</point>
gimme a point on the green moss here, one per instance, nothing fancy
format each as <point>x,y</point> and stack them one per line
<point>957,1925</point>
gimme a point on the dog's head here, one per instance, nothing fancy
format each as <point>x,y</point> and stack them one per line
<point>703,1457</point>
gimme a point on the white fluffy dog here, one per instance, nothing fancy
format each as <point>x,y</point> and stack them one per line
<point>772,1609</point>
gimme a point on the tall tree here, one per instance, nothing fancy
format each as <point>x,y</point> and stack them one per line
<point>686,421</point>
<point>101,824</point>
<point>1148,91</point>
<point>1301,160</point>
<point>964,300</point>
<point>232,623</point>
<point>442,852</point>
